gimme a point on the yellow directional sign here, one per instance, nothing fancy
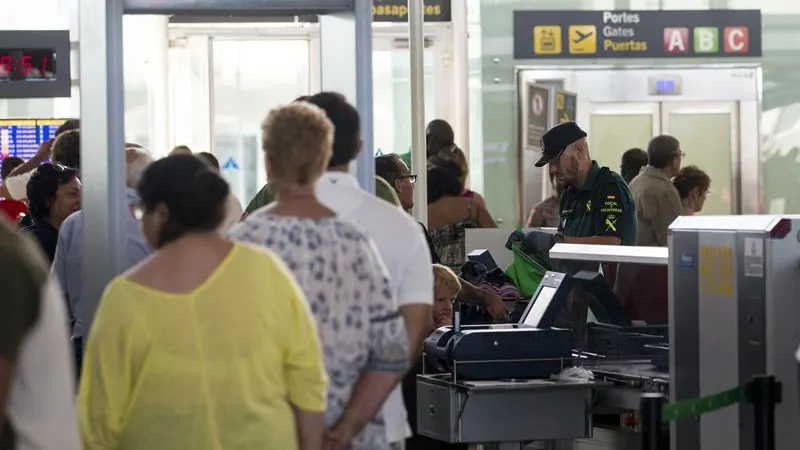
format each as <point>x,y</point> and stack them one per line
<point>547,40</point>
<point>566,103</point>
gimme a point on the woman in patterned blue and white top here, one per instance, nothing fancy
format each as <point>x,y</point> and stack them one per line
<point>337,266</point>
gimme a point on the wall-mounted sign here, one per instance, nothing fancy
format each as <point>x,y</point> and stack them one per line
<point>566,106</point>
<point>234,7</point>
<point>537,115</point>
<point>34,64</point>
<point>397,10</point>
<point>637,34</point>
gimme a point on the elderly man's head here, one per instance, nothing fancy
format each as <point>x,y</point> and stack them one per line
<point>136,160</point>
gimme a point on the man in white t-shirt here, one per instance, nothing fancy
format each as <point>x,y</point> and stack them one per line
<point>400,242</point>
<point>37,385</point>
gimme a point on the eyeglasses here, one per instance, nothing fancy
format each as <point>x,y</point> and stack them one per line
<point>411,178</point>
<point>138,211</point>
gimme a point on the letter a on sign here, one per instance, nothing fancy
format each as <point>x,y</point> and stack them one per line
<point>676,40</point>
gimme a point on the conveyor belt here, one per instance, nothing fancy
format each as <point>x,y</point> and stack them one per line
<point>626,382</point>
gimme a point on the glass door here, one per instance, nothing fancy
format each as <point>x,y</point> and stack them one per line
<point>391,74</point>
<point>251,76</point>
<point>615,128</point>
<point>709,135</point>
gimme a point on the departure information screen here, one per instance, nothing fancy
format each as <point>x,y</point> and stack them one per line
<point>22,137</point>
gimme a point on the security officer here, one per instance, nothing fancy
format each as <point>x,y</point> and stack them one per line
<point>596,207</point>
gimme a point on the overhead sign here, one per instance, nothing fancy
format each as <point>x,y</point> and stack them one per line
<point>233,7</point>
<point>537,115</point>
<point>397,10</point>
<point>566,106</point>
<point>637,34</point>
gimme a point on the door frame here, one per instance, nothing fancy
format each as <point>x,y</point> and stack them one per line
<point>740,74</point>
<point>385,36</point>
<point>730,108</point>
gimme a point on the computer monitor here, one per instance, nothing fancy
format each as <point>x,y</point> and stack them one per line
<point>550,298</point>
<point>539,306</point>
<point>605,306</point>
<point>547,302</point>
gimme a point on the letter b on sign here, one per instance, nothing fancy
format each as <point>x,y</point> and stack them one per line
<point>737,39</point>
<point>706,40</point>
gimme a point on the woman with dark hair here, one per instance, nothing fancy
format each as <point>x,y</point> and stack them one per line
<point>54,193</point>
<point>438,135</point>
<point>450,214</point>
<point>692,185</point>
<point>205,344</point>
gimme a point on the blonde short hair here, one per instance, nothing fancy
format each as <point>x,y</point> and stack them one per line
<point>297,140</point>
<point>444,279</point>
<point>180,150</point>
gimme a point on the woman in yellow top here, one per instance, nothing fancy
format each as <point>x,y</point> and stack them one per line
<point>205,345</point>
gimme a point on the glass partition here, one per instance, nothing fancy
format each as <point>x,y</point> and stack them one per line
<point>250,78</point>
<point>391,75</point>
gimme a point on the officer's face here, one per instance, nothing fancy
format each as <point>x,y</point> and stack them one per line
<point>557,183</point>
<point>566,167</point>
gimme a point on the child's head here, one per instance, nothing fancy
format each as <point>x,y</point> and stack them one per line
<point>445,288</point>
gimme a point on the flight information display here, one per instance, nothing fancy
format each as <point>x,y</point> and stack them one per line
<point>22,137</point>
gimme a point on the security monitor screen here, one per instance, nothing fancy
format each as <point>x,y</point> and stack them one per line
<point>540,304</point>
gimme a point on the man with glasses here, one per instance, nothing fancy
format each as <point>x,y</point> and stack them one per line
<point>657,201</point>
<point>396,173</point>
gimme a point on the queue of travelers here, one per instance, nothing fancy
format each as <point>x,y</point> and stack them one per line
<point>301,317</point>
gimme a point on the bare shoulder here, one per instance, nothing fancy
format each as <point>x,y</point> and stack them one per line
<point>478,198</point>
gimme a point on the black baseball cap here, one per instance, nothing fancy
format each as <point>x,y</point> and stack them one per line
<point>556,139</point>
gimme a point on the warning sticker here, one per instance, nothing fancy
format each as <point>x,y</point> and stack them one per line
<point>754,257</point>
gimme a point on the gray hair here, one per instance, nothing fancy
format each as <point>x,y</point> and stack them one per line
<point>136,160</point>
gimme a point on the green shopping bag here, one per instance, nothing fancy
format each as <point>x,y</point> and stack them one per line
<point>525,271</point>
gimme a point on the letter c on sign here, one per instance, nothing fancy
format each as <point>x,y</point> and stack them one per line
<point>736,40</point>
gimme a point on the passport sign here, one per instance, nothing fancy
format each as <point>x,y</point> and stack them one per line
<point>637,34</point>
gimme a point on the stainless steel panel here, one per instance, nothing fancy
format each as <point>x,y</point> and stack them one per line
<point>752,321</point>
<point>452,413</point>
<point>782,285</point>
<point>683,333</point>
<point>718,337</point>
<point>609,439</point>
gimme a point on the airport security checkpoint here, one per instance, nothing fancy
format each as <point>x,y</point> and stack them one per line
<point>722,375</point>
<point>572,370</point>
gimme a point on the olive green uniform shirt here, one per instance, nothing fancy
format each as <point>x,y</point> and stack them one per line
<point>602,207</point>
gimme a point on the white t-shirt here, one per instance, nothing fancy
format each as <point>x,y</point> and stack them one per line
<point>404,250</point>
<point>41,403</point>
<point>233,213</point>
<point>17,186</point>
